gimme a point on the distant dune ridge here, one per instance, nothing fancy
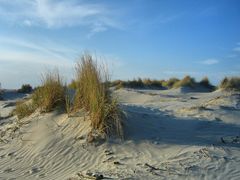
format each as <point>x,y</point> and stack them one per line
<point>228,83</point>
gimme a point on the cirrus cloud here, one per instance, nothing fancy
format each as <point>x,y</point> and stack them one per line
<point>57,14</point>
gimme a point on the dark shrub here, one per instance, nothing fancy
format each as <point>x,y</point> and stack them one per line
<point>26,88</point>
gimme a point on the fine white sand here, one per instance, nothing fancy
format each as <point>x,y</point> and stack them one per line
<point>169,134</point>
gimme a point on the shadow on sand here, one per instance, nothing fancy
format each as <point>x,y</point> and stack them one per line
<point>152,124</point>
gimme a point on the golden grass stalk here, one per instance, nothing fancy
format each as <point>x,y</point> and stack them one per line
<point>92,94</point>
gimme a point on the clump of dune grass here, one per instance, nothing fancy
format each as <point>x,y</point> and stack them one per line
<point>187,81</point>
<point>24,109</point>
<point>93,95</point>
<point>51,93</point>
<point>230,83</point>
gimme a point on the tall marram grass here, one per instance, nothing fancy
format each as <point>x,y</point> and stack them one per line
<point>93,95</point>
<point>51,93</point>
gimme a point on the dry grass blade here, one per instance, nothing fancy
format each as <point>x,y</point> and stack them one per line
<point>92,94</point>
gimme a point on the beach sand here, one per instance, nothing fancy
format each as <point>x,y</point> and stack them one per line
<point>169,134</point>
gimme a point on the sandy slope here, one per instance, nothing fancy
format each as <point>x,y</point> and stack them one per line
<point>170,134</point>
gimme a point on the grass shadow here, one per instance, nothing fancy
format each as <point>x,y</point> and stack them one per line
<point>152,124</point>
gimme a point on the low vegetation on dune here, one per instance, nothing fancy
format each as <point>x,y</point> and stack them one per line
<point>187,81</point>
<point>26,88</point>
<point>206,83</point>
<point>93,95</point>
<point>23,109</point>
<point>170,83</point>
<point>152,83</point>
<point>51,93</point>
<point>46,97</point>
<point>137,83</point>
<point>230,83</point>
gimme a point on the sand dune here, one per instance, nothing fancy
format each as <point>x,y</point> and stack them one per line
<point>169,134</point>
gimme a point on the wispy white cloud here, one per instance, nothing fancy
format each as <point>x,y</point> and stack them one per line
<point>33,58</point>
<point>23,59</point>
<point>56,14</point>
<point>98,27</point>
<point>18,67</point>
<point>44,47</point>
<point>210,61</point>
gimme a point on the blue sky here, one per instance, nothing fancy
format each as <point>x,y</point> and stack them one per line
<point>137,38</point>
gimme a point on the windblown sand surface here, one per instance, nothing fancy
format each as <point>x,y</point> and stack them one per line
<point>170,134</point>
